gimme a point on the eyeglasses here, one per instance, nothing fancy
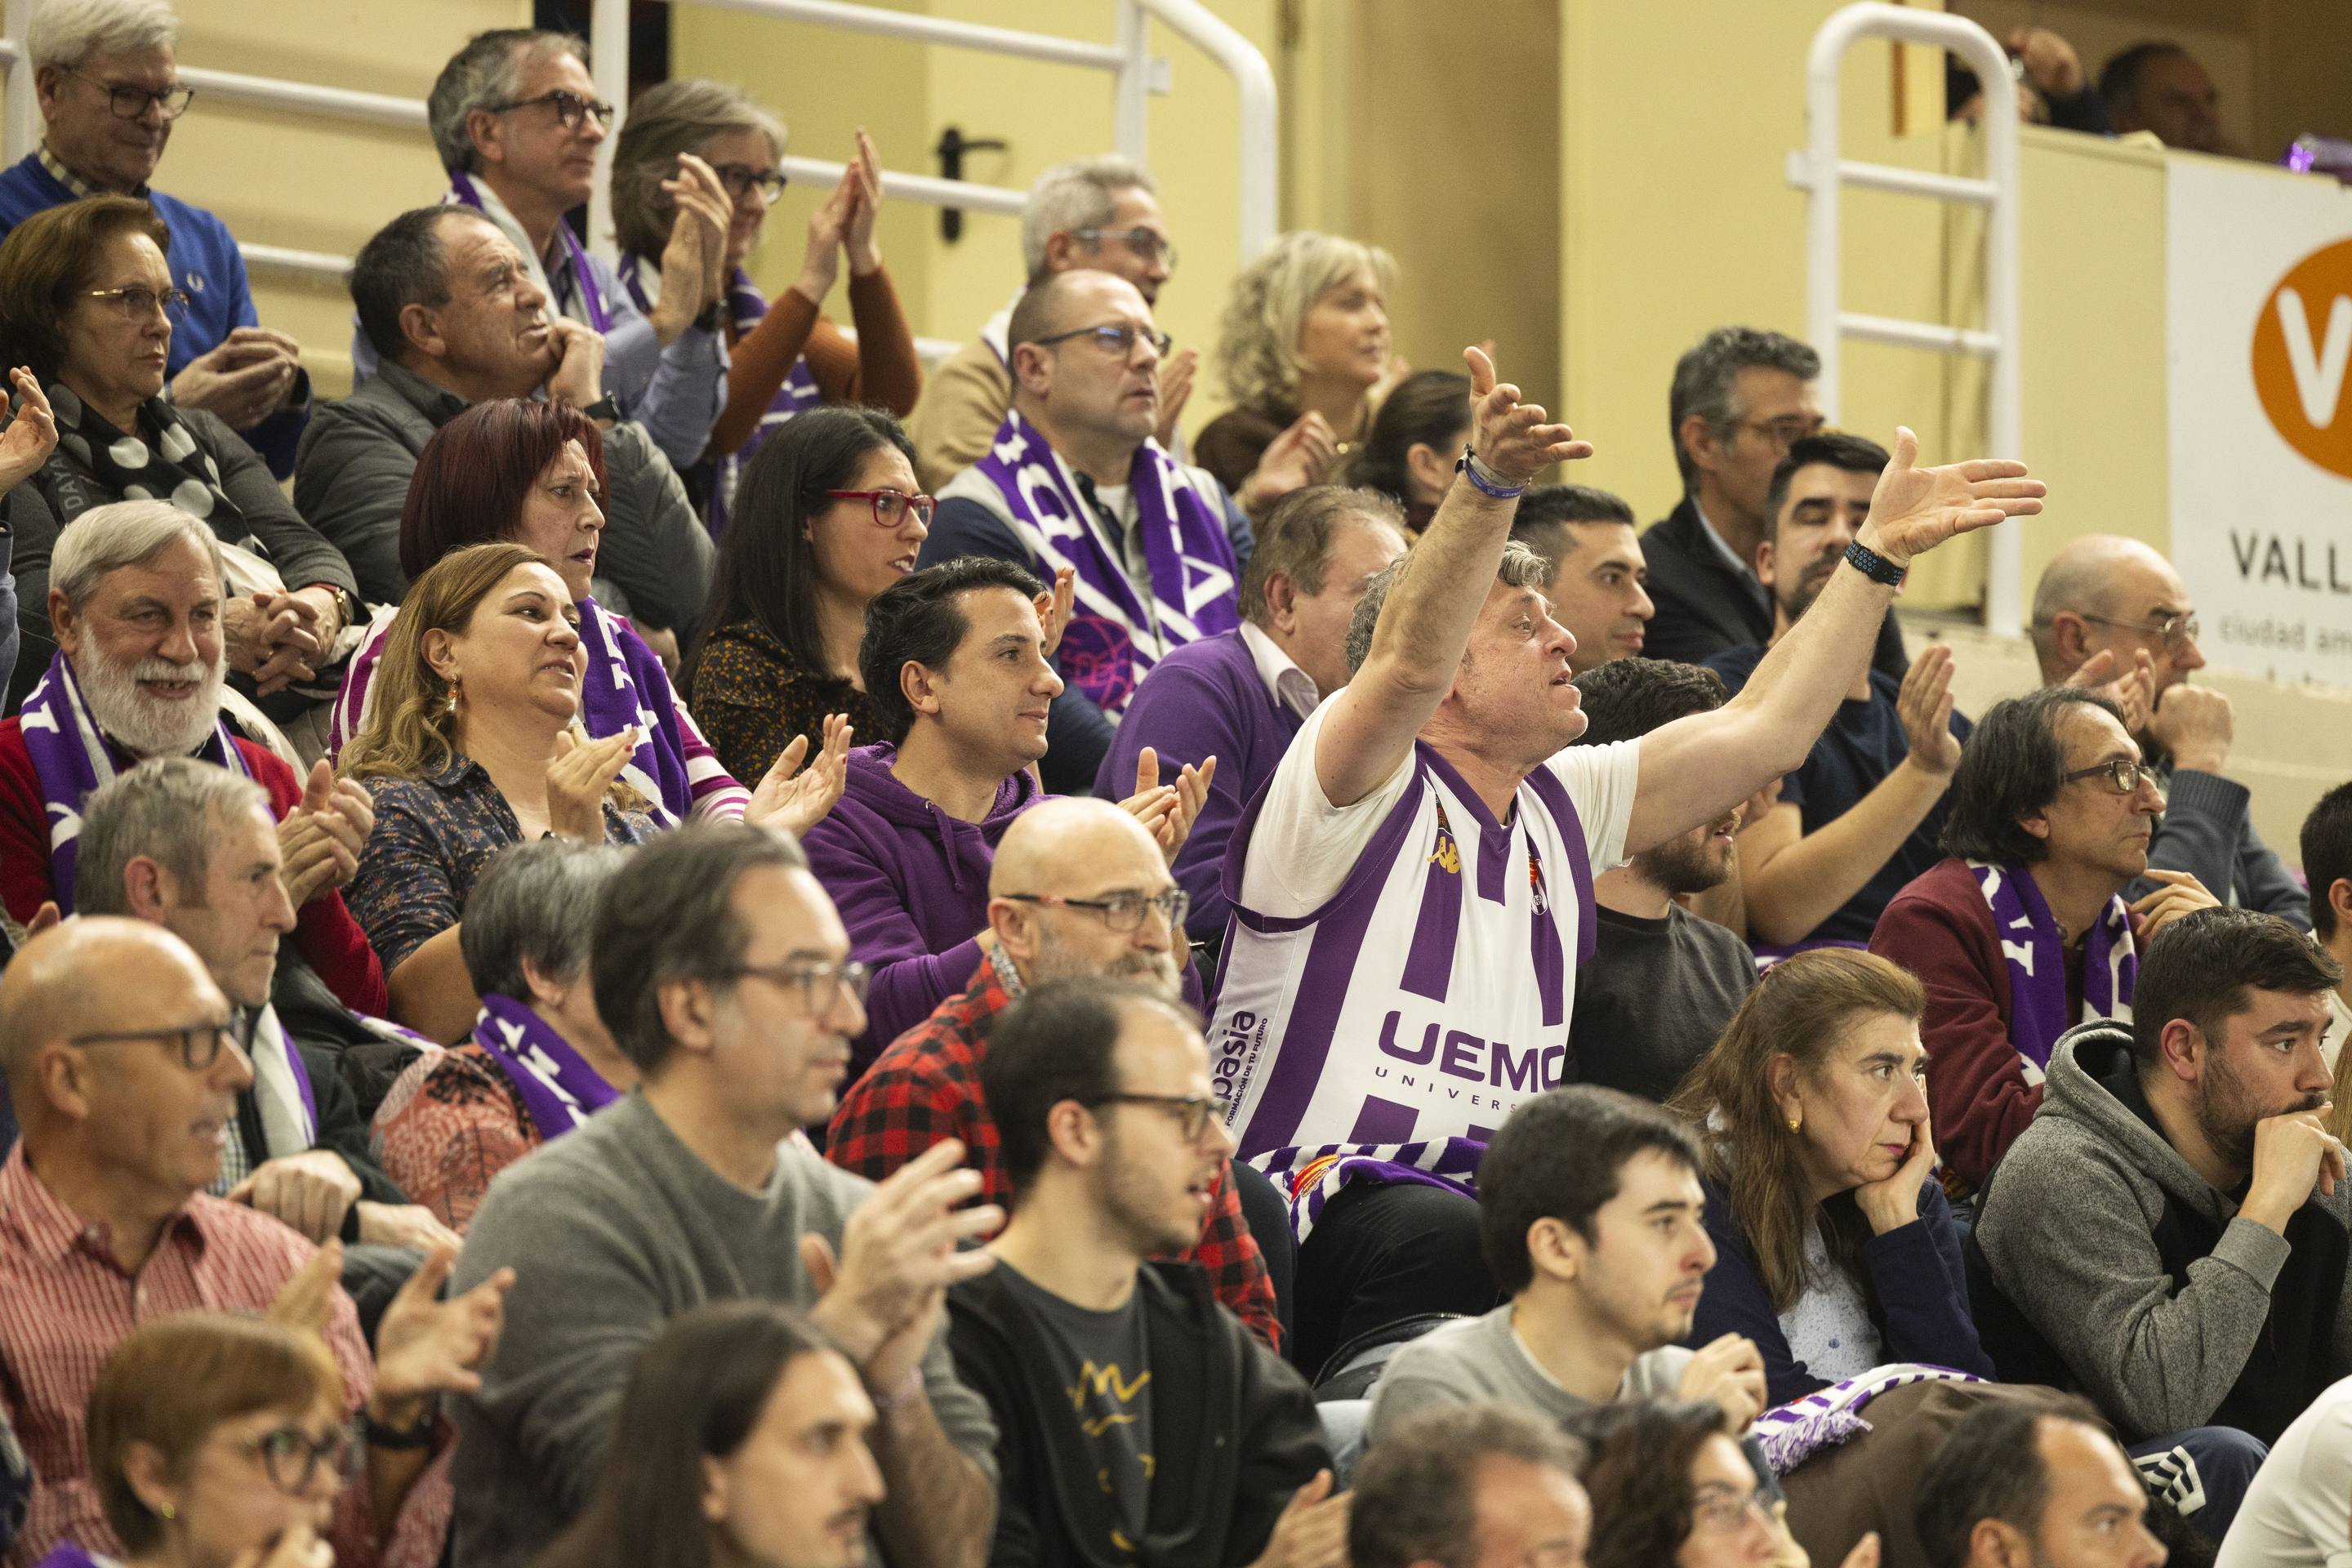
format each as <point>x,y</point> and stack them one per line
<point>139,302</point>
<point>2122,773</point>
<point>292,1457</point>
<point>1724,1511</point>
<point>890,507</point>
<point>1120,911</point>
<point>2173,630</point>
<point>200,1044</point>
<point>130,102</point>
<point>1784,432</point>
<point>740,179</point>
<point>820,985</point>
<point>569,107</point>
<point>1191,1110</point>
<point>1117,341</point>
<point>1151,246</point>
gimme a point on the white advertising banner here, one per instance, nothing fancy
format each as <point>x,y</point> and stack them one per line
<point>2259,283</point>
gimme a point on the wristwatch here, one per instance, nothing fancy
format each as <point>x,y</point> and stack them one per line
<point>604,411</point>
<point>1873,565</point>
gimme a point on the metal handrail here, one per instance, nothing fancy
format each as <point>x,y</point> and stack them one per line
<point>1823,174</point>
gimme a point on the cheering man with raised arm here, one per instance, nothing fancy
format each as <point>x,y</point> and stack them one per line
<point>1413,891</point>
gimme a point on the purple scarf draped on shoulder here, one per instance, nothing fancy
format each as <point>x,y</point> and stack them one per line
<point>1117,634</point>
<point>72,757</point>
<point>554,1082</point>
<point>1310,1177</point>
<point>2036,954</point>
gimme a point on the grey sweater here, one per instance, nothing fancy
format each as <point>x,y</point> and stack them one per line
<point>2068,1229</point>
<point>612,1231</point>
<point>2208,831</point>
<point>1481,1358</point>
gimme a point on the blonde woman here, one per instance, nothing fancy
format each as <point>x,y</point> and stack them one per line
<point>1303,343</point>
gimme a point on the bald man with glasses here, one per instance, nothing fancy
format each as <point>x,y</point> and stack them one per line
<point>2117,609</point>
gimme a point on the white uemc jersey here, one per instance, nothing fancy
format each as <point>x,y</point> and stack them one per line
<point>1403,968</point>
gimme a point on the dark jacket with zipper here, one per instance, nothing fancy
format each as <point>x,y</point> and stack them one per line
<point>1233,1430</point>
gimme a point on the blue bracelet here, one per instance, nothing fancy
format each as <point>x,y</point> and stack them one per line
<point>1468,468</point>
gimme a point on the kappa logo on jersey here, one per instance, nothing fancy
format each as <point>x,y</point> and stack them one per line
<point>1447,856</point>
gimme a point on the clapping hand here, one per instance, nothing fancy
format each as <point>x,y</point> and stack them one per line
<point>881,1299</point>
<point>858,236</point>
<point>426,1346</point>
<point>577,778</point>
<point>1301,456</point>
<point>1053,608</point>
<point>1169,811</point>
<point>797,799</point>
<point>321,839</point>
<point>1516,441</point>
<point>693,262</point>
<point>307,1301</point>
<point>31,435</point>
<point>1175,390</point>
<point>243,378</point>
<point>1913,510</point>
<point>2134,693</point>
<point>1925,707</point>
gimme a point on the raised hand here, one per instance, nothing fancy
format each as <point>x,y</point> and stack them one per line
<point>1293,460</point>
<point>1924,706</point>
<point>828,227</point>
<point>2133,692</point>
<point>797,800</point>
<point>1175,390</point>
<point>693,262</point>
<point>426,1346</point>
<point>1192,794</point>
<point>858,238</point>
<point>1152,800</point>
<point>578,777</point>
<point>1913,510</point>
<point>1055,605</point>
<point>307,1301</point>
<point>32,433</point>
<point>1515,440</point>
<point>900,1252</point>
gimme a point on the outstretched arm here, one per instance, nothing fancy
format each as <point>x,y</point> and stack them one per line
<point>1425,623</point>
<point>1696,769</point>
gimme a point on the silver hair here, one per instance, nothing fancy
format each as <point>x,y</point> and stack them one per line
<point>1706,380</point>
<point>66,32</point>
<point>1520,568</point>
<point>533,904</point>
<point>123,534</point>
<point>667,119</point>
<point>481,75</point>
<point>166,809</point>
<point>1071,196</point>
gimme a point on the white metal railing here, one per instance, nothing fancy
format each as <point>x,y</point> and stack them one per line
<point>1135,76</point>
<point>1823,175</point>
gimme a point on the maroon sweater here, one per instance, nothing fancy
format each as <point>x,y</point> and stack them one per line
<point>1940,929</point>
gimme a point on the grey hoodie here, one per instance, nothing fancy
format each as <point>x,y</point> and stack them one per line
<point>2070,1231</point>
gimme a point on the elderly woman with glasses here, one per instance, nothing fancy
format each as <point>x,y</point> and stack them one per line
<point>87,300</point>
<point>786,357</point>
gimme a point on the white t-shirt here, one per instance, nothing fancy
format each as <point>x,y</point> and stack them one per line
<point>2298,1511</point>
<point>1402,969</point>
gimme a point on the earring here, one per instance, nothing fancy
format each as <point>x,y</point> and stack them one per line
<point>454,692</point>
<point>1795,1122</point>
<point>168,1511</point>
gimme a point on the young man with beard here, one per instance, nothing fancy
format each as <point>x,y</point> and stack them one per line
<point>2175,1221</point>
<point>1662,982</point>
<point>1137,1419</point>
<point>1860,818</point>
<point>135,598</point>
<point>1078,889</point>
<point>2020,1482</point>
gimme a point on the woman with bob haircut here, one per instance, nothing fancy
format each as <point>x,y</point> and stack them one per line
<point>1836,1251</point>
<point>741,1442</point>
<point>1416,438</point>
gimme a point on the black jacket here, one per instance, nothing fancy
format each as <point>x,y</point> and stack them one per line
<point>1704,606</point>
<point>1233,1430</point>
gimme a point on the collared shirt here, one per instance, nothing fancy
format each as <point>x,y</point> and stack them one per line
<point>1731,556</point>
<point>72,181</point>
<point>1287,684</point>
<point>66,1303</point>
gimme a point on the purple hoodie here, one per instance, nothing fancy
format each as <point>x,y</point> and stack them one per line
<point>911,883</point>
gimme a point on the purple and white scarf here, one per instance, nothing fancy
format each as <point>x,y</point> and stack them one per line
<point>1116,635</point>
<point>800,393</point>
<point>72,757</point>
<point>2036,954</point>
<point>625,684</point>
<point>1792,1433</point>
<point>1310,1177</point>
<point>281,1087</point>
<point>554,1082</point>
<point>598,315</point>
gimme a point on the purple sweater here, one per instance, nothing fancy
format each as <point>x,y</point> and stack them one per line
<point>911,883</point>
<point>1205,700</point>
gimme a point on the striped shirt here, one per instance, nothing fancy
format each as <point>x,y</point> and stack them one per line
<point>64,1303</point>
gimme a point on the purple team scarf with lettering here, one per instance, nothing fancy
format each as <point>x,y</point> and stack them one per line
<point>591,297</point>
<point>73,1555</point>
<point>1114,636</point>
<point>1792,1433</point>
<point>2036,955</point>
<point>71,757</point>
<point>745,306</point>
<point>1309,1178</point>
<point>554,1082</point>
<point>625,684</point>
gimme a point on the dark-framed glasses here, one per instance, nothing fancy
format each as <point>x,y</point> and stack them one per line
<point>1120,911</point>
<point>1117,341</point>
<point>890,507</point>
<point>200,1044</point>
<point>2174,631</point>
<point>2122,774</point>
<point>569,107</point>
<point>138,302</point>
<point>1191,1112</point>
<point>291,1457</point>
<point>820,985</point>
<point>1148,246</point>
<point>131,102</point>
<point>739,180</point>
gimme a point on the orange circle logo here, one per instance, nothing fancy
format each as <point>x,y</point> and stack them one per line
<point>2303,357</point>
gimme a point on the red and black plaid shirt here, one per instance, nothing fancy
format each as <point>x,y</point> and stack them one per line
<point>924,1089</point>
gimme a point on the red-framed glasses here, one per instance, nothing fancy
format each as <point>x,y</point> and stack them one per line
<point>890,507</point>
